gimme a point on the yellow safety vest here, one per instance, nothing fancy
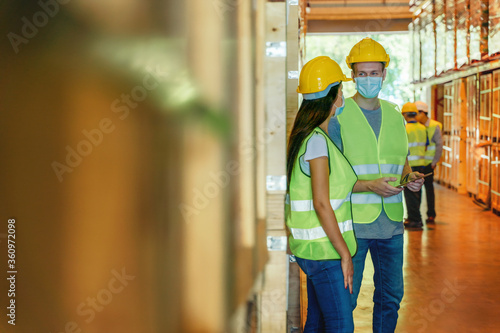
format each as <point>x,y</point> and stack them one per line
<point>417,142</point>
<point>431,148</point>
<point>372,158</point>
<point>307,238</point>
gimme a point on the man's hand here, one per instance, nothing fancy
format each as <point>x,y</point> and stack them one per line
<point>415,182</point>
<point>382,187</point>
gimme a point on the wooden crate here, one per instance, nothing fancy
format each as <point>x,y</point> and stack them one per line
<point>484,173</point>
<point>472,166</point>
<point>445,171</point>
<point>483,148</point>
<point>485,107</point>
<point>448,108</point>
<point>459,135</point>
<point>437,107</point>
<point>459,108</point>
<point>275,205</point>
<point>495,139</point>
<point>446,164</point>
<point>457,160</point>
<point>454,160</point>
<point>495,108</point>
<point>495,178</point>
<point>471,134</point>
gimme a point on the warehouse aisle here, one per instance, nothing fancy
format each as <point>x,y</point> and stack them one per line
<point>451,272</point>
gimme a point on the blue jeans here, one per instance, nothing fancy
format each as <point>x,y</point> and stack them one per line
<point>329,303</point>
<point>387,257</point>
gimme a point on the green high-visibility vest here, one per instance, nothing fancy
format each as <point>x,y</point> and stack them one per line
<point>372,158</point>
<point>431,148</point>
<point>417,142</point>
<point>307,238</point>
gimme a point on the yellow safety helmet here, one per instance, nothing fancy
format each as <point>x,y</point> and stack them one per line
<point>409,107</point>
<point>318,75</point>
<point>367,50</point>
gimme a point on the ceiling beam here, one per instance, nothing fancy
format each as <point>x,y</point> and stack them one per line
<point>353,3</point>
<point>358,13</point>
<point>357,26</point>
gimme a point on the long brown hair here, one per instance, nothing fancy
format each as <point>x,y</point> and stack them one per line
<point>311,114</point>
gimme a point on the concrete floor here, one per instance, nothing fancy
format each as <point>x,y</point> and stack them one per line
<point>451,270</point>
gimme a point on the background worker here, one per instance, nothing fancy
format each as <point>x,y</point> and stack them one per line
<point>371,133</point>
<point>432,155</point>
<point>319,217</point>
<point>417,143</point>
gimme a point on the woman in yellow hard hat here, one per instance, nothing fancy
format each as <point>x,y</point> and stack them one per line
<point>320,182</point>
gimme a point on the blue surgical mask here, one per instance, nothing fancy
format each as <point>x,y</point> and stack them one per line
<point>339,109</point>
<point>368,86</point>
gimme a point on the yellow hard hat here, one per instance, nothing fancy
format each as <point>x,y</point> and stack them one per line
<point>409,107</point>
<point>319,74</point>
<point>367,50</point>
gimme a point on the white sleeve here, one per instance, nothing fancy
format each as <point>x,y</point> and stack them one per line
<point>316,147</point>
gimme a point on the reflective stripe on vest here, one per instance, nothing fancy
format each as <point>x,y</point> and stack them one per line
<point>307,238</point>
<point>417,142</point>
<point>318,232</point>
<point>373,158</point>
<point>373,198</point>
<point>373,169</point>
<point>307,205</point>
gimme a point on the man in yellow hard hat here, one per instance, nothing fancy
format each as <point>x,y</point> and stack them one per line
<point>417,144</point>
<point>432,155</point>
<point>371,133</point>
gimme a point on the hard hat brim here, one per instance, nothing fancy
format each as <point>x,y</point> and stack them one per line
<point>312,92</point>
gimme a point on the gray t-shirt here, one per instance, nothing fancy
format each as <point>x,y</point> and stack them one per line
<point>383,227</point>
<point>438,141</point>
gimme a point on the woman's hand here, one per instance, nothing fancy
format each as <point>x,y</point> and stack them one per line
<point>348,271</point>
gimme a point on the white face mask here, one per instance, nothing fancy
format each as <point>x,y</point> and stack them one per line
<point>368,86</point>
